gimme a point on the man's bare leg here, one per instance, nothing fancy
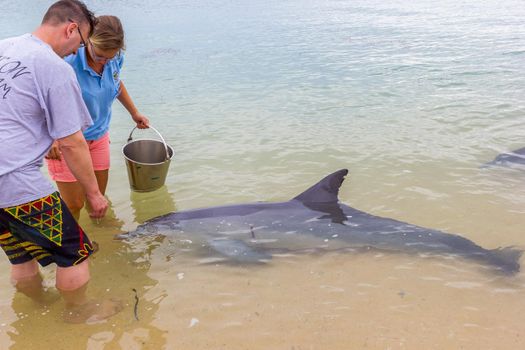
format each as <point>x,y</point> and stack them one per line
<point>72,283</point>
<point>27,280</point>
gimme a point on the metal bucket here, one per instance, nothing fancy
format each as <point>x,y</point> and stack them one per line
<point>147,162</point>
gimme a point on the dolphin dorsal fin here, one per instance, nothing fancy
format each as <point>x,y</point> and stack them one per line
<point>326,190</point>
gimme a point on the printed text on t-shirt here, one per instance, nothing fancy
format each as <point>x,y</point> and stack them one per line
<point>9,69</point>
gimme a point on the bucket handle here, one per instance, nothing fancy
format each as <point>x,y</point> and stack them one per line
<point>158,133</point>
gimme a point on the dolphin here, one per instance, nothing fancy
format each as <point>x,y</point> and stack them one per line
<point>312,221</point>
<point>516,157</point>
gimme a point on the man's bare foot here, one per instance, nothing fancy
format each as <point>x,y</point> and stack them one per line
<point>47,298</point>
<point>94,311</point>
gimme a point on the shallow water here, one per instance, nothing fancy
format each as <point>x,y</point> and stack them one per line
<point>262,99</point>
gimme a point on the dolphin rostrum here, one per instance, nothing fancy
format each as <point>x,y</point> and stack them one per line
<point>314,220</point>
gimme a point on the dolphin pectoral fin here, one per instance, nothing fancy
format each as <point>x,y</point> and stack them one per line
<point>238,250</point>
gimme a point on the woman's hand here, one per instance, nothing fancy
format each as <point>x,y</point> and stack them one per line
<point>54,152</point>
<point>141,120</point>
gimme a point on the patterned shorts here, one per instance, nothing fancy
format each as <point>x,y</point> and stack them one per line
<point>44,230</point>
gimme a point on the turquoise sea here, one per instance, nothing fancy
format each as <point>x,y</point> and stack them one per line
<point>260,100</point>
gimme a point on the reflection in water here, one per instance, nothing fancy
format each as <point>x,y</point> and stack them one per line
<point>147,205</point>
<point>110,221</point>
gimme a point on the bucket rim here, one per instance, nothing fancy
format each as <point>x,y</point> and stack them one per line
<point>142,163</point>
<point>137,140</point>
<point>130,138</point>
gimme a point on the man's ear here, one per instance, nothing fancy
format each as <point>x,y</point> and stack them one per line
<point>70,29</point>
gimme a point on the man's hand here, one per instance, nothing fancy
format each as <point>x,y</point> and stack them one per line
<point>98,205</point>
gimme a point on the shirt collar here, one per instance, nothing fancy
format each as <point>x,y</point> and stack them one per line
<point>82,54</point>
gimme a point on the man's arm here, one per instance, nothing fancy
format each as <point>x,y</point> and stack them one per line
<point>76,153</point>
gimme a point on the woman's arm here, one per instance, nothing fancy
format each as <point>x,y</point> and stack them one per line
<point>124,98</point>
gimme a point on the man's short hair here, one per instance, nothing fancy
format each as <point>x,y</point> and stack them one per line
<point>69,10</point>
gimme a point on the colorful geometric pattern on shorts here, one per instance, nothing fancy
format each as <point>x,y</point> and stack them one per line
<point>44,214</point>
<point>44,230</point>
<point>20,251</point>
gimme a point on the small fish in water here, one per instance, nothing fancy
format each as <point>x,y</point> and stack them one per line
<point>135,307</point>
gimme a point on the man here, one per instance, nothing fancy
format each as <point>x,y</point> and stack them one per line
<point>40,101</point>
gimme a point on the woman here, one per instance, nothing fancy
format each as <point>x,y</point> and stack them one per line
<point>97,66</point>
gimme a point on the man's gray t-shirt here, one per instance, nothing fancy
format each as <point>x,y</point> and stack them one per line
<point>40,101</point>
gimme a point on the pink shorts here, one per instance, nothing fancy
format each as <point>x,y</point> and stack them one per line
<point>99,150</point>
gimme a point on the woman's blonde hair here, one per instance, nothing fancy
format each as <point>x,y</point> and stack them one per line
<point>108,33</point>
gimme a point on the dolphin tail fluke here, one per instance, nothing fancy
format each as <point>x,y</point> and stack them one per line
<point>508,259</point>
<point>326,190</point>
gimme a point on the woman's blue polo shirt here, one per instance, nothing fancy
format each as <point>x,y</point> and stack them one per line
<point>98,91</point>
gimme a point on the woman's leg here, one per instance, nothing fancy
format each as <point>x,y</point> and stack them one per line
<point>73,195</point>
<point>102,179</point>
<point>70,190</point>
<point>100,155</point>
